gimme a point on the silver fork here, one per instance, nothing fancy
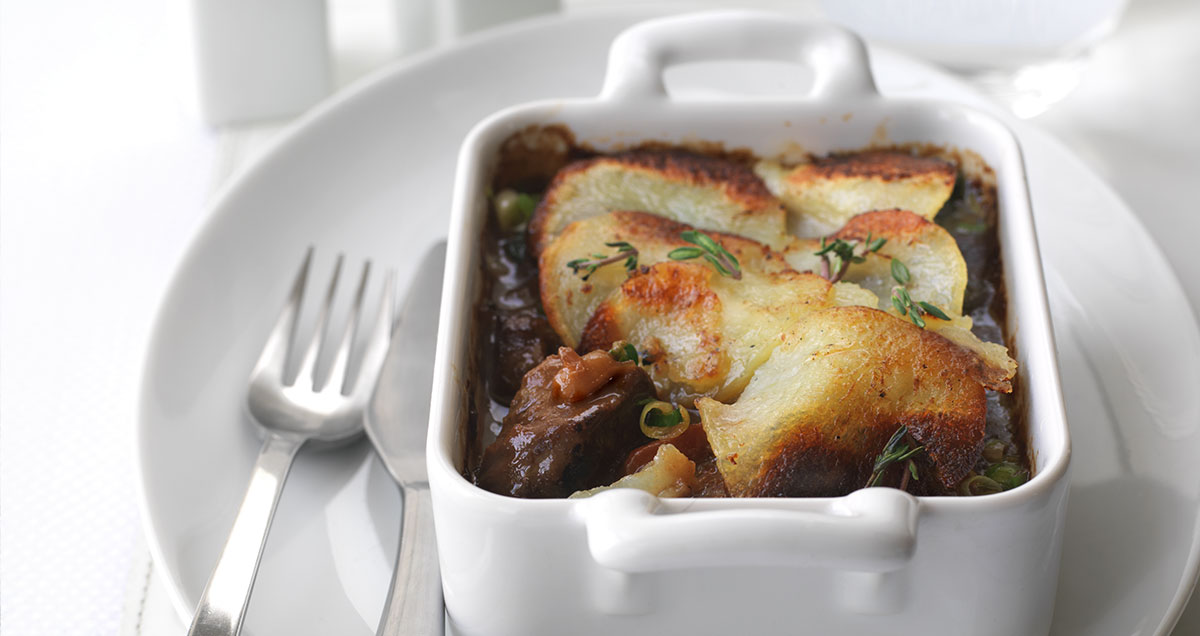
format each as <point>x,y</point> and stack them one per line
<point>288,416</point>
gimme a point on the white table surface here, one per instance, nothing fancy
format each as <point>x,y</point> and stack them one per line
<point>105,169</point>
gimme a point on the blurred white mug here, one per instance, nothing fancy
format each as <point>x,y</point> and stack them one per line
<point>1029,53</point>
<point>425,23</point>
<point>982,34</point>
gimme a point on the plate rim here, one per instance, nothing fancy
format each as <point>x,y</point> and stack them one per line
<point>1190,576</point>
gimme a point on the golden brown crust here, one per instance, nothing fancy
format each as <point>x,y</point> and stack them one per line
<point>937,267</point>
<point>737,183</point>
<point>634,226</point>
<point>815,416</point>
<point>602,330</point>
<point>884,165</point>
<point>951,435</point>
<point>568,301</point>
<point>895,224</point>
<point>823,195</point>
<point>705,333</point>
<point>680,290</point>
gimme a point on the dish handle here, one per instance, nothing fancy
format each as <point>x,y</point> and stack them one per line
<point>870,530</point>
<point>864,538</point>
<point>640,54</point>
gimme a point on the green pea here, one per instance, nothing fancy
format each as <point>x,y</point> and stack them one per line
<point>508,211</point>
<point>1007,474</point>
<point>993,450</point>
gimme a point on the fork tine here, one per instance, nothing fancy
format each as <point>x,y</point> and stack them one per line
<point>271,361</point>
<point>307,372</point>
<point>377,345</point>
<point>337,371</point>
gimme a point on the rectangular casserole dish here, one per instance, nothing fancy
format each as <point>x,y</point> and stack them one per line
<point>876,561</point>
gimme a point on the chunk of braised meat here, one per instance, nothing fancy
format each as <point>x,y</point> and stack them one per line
<point>571,425</point>
<point>524,338</point>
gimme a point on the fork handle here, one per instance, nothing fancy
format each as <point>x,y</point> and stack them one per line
<point>223,604</point>
<point>414,602</point>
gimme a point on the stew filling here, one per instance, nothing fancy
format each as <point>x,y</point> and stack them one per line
<point>711,324</point>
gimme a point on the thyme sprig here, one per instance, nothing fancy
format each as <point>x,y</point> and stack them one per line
<point>836,257</point>
<point>898,449</point>
<point>900,272</point>
<point>712,251</point>
<point>903,302</point>
<point>625,252</point>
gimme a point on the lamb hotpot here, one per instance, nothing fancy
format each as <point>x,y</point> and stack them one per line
<point>875,561</point>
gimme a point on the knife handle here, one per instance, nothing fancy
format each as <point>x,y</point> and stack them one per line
<point>414,601</point>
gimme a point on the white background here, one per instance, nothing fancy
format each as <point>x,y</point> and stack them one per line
<point>104,170</point>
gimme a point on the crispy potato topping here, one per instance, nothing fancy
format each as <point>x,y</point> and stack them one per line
<point>701,191</point>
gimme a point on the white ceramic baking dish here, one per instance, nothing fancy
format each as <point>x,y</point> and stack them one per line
<point>878,561</point>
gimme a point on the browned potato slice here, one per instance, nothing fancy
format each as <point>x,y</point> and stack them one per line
<point>707,193</point>
<point>705,333</point>
<point>939,273</point>
<point>821,196</point>
<point>938,276</point>
<point>669,474</point>
<point>569,301</point>
<point>817,413</point>
<point>998,368</point>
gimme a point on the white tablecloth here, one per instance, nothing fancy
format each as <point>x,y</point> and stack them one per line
<point>105,169</point>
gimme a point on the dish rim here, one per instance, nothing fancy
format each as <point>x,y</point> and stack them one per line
<point>474,163</point>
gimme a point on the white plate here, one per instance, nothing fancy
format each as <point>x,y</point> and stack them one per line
<point>370,173</point>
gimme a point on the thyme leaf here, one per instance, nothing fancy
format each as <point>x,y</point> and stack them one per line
<point>712,251</point>
<point>897,449</point>
<point>685,253</point>
<point>933,310</point>
<point>916,318</point>
<point>903,302</point>
<point>625,252</point>
<point>836,257</point>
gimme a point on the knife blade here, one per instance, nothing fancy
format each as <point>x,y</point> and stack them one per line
<point>396,421</point>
